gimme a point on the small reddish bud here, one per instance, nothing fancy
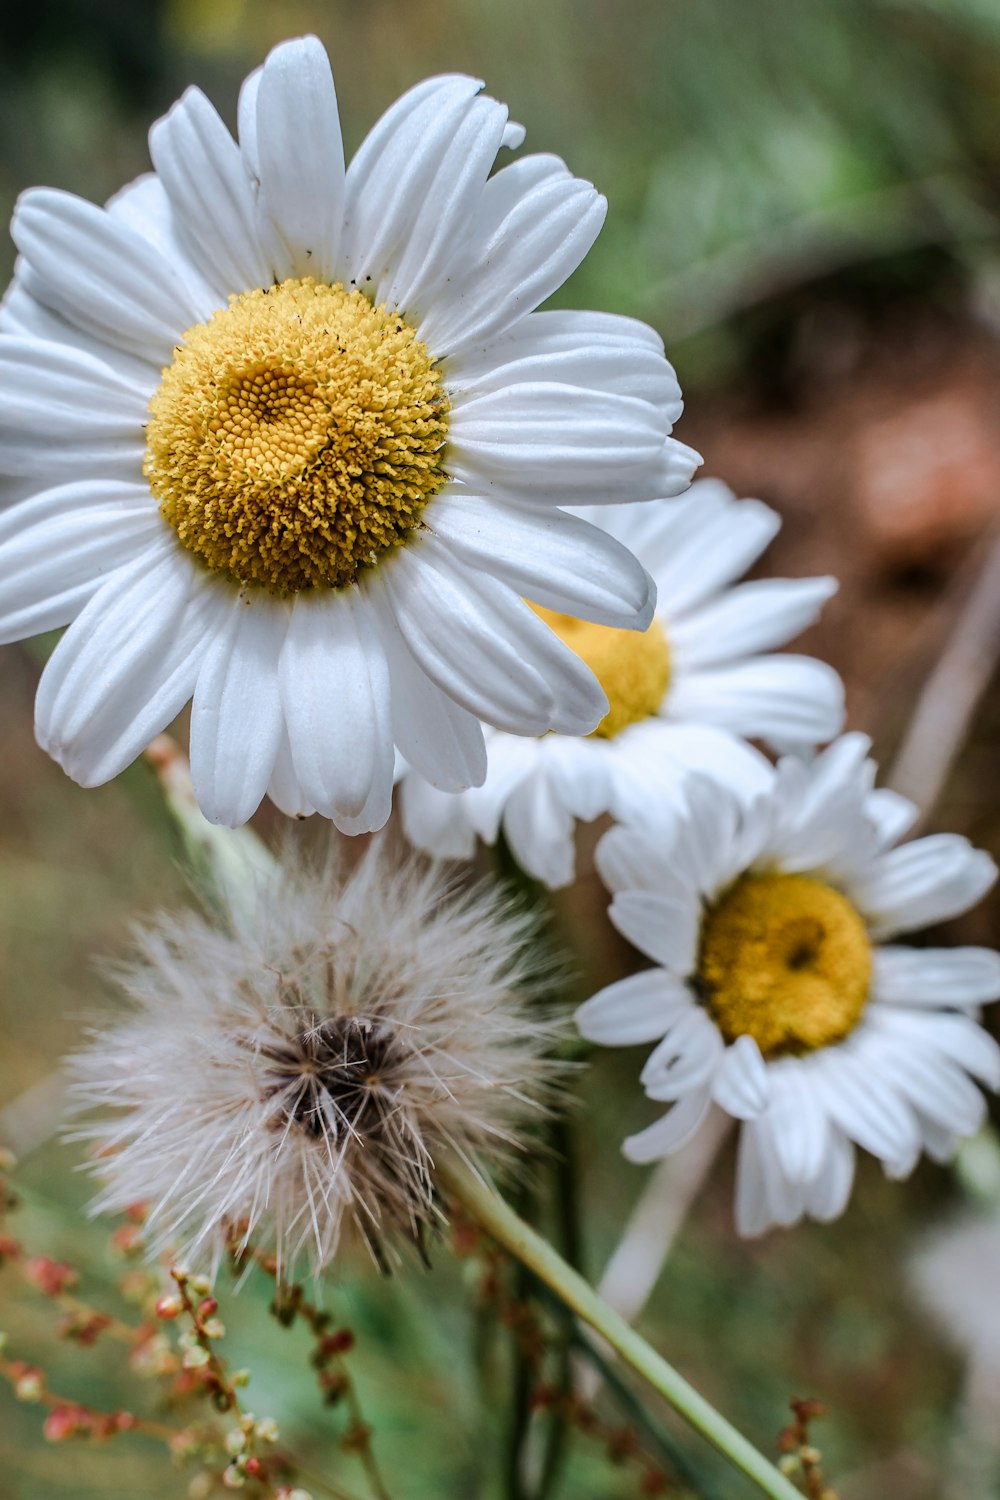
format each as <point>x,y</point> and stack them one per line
<point>254,1469</point>
<point>340,1342</point>
<point>62,1423</point>
<point>137,1213</point>
<point>207,1307</point>
<point>53,1277</point>
<point>10,1248</point>
<point>169,1307</point>
<point>126,1239</point>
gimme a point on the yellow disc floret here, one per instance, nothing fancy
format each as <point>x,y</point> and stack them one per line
<point>633,667</point>
<point>296,436</point>
<point>785,959</point>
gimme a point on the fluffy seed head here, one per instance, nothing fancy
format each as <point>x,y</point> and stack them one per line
<point>296,1068</point>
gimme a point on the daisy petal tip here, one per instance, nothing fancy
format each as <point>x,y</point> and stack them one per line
<point>513,136</point>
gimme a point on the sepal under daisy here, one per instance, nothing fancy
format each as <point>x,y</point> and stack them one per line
<point>684,695</point>
<point>292,441</point>
<point>778,992</point>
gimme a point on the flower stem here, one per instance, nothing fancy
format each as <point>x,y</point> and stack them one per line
<point>520,1240</point>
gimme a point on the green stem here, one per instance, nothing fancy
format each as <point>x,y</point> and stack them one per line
<point>502,1223</point>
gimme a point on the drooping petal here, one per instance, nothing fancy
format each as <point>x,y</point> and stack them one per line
<point>486,649</point>
<point>665,930</point>
<point>686,1058</point>
<point>435,821</point>
<point>126,666</point>
<point>741,1085</point>
<point>236,719</point>
<point>672,1131</point>
<point>539,829</point>
<point>547,556</point>
<point>335,695</point>
<point>637,1009</point>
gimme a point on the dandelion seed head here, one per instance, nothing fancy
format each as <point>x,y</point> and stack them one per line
<point>292,1071</point>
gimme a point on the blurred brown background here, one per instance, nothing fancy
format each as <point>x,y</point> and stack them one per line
<point>805,200</point>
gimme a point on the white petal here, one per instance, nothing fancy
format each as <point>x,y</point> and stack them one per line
<point>101,275</point>
<point>283,788</point>
<point>935,1088</point>
<point>665,930</point>
<point>750,618</point>
<point>797,1123</point>
<point>487,649</point>
<point>956,1037</point>
<point>686,1059</point>
<point>236,721</point>
<point>143,206</point>
<point>753,1215</point>
<point>670,1132</point>
<point>24,316</point>
<point>449,199</point>
<point>637,1009</point>
<point>63,411</point>
<point>211,193</point>
<point>126,666</point>
<point>515,261</point>
<point>741,1084</point>
<point>442,741</point>
<point>928,880</point>
<point>865,1105</point>
<point>392,171</point>
<point>788,700</point>
<point>434,821</point>
<point>828,1194</point>
<point>539,830</point>
<point>591,351</point>
<point>335,695</point>
<point>547,556</point>
<point>935,977</point>
<point>300,155</point>
<point>706,543</point>
<point>892,815</point>
<point>57,549</point>
<point>555,438</point>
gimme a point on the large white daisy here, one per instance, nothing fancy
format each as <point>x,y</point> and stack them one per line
<point>777,994</point>
<point>683,695</point>
<point>294,442</point>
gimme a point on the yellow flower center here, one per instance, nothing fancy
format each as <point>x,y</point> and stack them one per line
<point>296,436</point>
<point>632,666</point>
<point>784,959</point>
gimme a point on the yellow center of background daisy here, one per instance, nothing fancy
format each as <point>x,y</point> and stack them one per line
<point>784,959</point>
<point>632,666</point>
<point>296,436</point>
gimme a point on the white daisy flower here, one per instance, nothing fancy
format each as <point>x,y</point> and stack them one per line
<point>777,994</point>
<point>294,442</point>
<point>682,696</point>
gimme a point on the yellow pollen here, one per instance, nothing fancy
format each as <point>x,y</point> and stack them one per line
<point>296,436</point>
<point>784,959</point>
<point>632,666</point>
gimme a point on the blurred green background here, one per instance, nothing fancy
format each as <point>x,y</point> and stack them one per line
<point>805,200</point>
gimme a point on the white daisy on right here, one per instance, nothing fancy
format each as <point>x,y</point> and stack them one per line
<point>777,994</point>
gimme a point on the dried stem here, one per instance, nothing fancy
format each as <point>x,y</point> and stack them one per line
<point>947,703</point>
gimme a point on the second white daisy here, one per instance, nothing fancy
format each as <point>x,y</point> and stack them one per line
<point>683,695</point>
<point>776,995</point>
